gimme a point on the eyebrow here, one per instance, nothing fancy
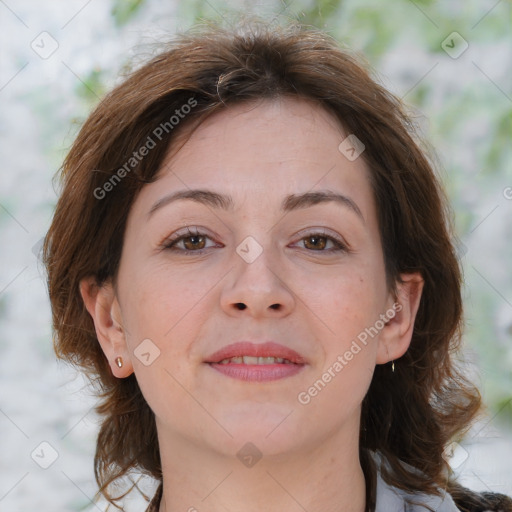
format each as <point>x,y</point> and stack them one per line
<point>291,202</point>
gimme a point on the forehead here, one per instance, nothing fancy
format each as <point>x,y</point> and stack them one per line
<point>264,150</point>
<point>283,128</point>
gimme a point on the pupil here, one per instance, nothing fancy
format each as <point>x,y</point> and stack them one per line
<point>315,240</point>
<point>195,240</point>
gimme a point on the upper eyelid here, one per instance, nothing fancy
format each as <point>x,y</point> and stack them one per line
<point>318,231</point>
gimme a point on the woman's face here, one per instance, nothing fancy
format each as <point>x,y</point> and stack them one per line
<point>275,260</point>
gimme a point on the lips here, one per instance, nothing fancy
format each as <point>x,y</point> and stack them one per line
<point>257,362</point>
<point>246,348</point>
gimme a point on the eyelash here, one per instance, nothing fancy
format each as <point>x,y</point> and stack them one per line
<point>170,243</point>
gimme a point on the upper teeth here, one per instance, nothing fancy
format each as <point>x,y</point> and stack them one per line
<point>255,360</point>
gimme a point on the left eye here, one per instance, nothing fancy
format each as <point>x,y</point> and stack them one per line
<point>319,241</point>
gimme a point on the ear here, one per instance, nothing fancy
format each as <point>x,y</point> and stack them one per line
<point>103,306</point>
<point>396,335</point>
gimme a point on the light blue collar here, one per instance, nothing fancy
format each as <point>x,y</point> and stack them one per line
<point>392,499</point>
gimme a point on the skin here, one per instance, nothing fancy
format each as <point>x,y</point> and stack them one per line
<point>186,304</point>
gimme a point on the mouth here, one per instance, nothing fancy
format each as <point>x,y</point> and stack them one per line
<point>256,362</point>
<point>252,360</point>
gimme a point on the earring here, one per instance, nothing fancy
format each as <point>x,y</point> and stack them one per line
<point>393,366</point>
<point>119,362</point>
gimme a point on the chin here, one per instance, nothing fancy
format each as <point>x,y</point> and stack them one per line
<point>273,429</point>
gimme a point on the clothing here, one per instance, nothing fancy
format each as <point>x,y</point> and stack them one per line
<point>388,498</point>
<point>155,502</point>
<point>392,499</point>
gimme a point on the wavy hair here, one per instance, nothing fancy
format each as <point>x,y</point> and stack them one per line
<point>409,415</point>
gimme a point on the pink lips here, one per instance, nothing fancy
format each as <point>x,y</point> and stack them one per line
<point>257,372</point>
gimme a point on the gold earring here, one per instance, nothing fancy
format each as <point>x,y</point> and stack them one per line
<point>393,366</point>
<point>119,362</point>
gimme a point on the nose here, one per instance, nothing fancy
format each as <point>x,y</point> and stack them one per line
<point>257,288</point>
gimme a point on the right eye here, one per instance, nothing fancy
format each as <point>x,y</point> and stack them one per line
<point>192,242</point>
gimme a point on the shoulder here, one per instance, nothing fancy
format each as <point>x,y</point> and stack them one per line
<point>471,501</point>
<point>393,499</point>
<point>459,499</point>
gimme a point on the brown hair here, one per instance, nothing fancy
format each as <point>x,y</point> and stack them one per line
<point>409,415</point>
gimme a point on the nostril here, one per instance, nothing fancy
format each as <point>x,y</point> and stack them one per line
<point>241,306</point>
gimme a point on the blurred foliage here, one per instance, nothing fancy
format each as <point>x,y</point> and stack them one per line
<point>500,138</point>
<point>376,29</point>
<point>92,87</point>
<point>124,10</point>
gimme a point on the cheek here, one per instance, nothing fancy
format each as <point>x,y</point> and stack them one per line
<point>347,306</point>
<point>161,297</point>
<point>166,306</point>
<point>346,300</point>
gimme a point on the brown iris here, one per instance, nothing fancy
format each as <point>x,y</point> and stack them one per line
<point>316,245</point>
<point>196,239</point>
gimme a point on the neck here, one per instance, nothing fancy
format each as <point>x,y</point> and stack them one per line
<point>327,478</point>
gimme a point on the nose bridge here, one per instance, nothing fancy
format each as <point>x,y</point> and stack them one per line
<point>256,281</point>
<point>259,262</point>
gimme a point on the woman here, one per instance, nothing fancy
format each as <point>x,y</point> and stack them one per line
<point>251,258</point>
